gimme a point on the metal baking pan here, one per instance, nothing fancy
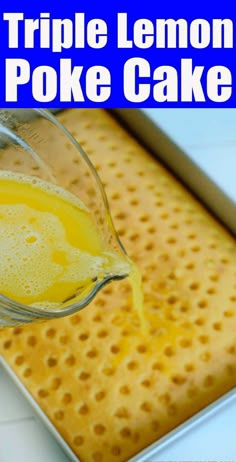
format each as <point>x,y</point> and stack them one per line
<point>219,204</point>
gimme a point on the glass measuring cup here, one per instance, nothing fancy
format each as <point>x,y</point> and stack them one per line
<point>24,139</point>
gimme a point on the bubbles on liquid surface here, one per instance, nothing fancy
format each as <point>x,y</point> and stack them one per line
<point>32,250</point>
<point>38,264</point>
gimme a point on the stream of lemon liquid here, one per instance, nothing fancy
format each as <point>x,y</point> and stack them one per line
<point>50,246</point>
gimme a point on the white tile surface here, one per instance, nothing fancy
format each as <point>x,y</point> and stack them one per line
<point>214,440</point>
<point>197,127</point>
<point>210,138</point>
<point>220,163</point>
<point>28,441</point>
<point>12,404</point>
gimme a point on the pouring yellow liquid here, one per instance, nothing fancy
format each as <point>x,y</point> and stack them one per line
<point>50,246</point>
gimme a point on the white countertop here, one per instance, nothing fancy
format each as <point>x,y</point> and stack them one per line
<point>209,136</point>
